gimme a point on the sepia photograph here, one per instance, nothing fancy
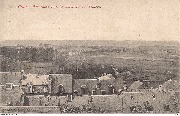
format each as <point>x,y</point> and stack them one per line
<point>89,57</point>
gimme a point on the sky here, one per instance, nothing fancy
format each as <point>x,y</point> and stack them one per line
<point>114,20</point>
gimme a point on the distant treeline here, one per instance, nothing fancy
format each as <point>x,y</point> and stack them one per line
<point>87,71</point>
<point>140,50</point>
<point>89,62</point>
<point>32,54</point>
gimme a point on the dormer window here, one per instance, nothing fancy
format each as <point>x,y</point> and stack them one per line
<point>93,92</point>
<point>9,86</point>
<point>84,89</point>
<point>103,92</point>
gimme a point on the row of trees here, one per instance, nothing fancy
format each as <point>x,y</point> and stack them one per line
<point>33,54</point>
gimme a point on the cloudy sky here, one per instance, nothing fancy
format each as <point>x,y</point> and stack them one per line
<point>115,20</point>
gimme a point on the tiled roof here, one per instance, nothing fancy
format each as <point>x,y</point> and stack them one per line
<point>90,83</point>
<point>106,77</point>
<point>35,79</point>
<point>41,65</point>
<point>136,85</point>
<point>117,83</point>
<point>61,79</point>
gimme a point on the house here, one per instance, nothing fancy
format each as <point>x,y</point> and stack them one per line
<point>106,77</point>
<point>170,85</point>
<point>36,84</point>
<point>111,86</point>
<point>101,86</point>
<point>10,88</point>
<point>10,96</point>
<point>107,86</point>
<point>135,86</point>
<point>149,84</point>
<point>61,84</point>
<point>84,86</point>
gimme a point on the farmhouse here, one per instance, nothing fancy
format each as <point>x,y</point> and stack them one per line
<point>36,84</point>
<point>61,84</point>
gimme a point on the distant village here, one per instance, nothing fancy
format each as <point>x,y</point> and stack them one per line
<point>37,76</point>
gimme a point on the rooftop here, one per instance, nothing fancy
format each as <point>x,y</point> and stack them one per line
<point>35,79</point>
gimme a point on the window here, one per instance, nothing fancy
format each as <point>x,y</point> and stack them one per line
<point>93,92</point>
<point>69,98</point>
<point>103,92</point>
<point>75,92</point>
<point>84,89</point>
<point>61,89</point>
<point>9,85</point>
